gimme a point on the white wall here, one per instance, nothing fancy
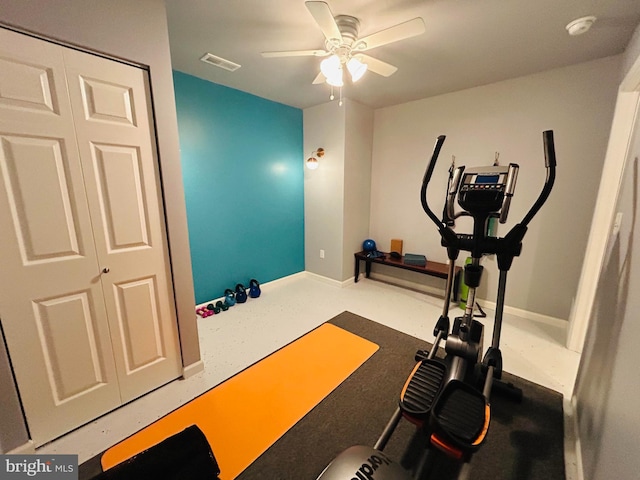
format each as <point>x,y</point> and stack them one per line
<point>324,126</point>
<point>607,382</point>
<point>336,195</point>
<point>607,386</point>
<point>357,182</point>
<point>576,102</point>
<point>631,53</point>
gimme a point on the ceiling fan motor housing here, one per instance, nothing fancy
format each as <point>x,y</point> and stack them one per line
<point>349,28</point>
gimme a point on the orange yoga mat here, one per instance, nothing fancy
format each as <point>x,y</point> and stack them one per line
<point>246,414</point>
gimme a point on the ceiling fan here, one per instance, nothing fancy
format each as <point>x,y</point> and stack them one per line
<point>344,48</point>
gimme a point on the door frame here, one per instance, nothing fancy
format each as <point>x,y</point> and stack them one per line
<point>624,122</point>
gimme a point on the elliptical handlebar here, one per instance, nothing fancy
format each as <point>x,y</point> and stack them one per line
<point>427,178</point>
<point>550,164</point>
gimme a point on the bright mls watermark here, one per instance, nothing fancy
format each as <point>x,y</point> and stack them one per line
<point>50,467</point>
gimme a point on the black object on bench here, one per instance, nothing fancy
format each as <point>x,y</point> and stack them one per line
<point>435,269</point>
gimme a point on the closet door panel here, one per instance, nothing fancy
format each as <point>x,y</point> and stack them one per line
<point>43,211</point>
<point>66,330</point>
<point>51,303</point>
<point>114,127</point>
<point>141,335</point>
<point>122,203</point>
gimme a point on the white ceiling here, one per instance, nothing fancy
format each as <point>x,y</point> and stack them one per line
<point>467,43</point>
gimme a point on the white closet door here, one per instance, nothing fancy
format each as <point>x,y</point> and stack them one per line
<point>86,300</point>
<point>51,300</point>
<point>111,106</point>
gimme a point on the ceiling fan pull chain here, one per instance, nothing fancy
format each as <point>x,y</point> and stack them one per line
<point>340,102</point>
<point>331,97</point>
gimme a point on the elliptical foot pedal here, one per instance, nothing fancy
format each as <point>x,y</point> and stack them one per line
<point>421,388</point>
<point>460,419</point>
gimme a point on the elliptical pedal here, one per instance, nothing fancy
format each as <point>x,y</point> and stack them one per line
<point>460,419</point>
<point>421,388</point>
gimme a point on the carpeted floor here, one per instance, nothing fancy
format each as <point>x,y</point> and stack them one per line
<point>525,441</point>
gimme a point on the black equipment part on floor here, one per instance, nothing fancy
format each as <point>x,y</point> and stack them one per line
<point>183,456</point>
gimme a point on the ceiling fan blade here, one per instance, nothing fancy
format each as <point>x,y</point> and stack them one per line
<point>319,79</point>
<point>408,29</point>
<point>324,18</point>
<point>377,66</point>
<point>296,53</point>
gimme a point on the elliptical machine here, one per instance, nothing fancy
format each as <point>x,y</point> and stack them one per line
<point>448,397</point>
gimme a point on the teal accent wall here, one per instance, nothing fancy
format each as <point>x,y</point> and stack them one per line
<point>242,161</point>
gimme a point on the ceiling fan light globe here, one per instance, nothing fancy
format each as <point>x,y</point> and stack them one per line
<point>330,66</point>
<point>336,80</point>
<point>356,68</point>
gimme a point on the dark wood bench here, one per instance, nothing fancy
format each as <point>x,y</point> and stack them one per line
<point>435,269</point>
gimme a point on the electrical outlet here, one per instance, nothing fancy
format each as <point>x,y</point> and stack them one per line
<point>321,253</point>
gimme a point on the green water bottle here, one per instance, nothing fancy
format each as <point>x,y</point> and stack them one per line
<point>464,288</point>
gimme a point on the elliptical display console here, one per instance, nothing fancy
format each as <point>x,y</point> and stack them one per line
<point>488,189</point>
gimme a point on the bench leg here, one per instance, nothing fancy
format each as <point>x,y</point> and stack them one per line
<point>357,271</point>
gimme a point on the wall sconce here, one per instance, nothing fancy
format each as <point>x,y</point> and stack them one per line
<point>312,161</point>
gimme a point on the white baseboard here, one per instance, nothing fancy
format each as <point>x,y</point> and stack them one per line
<point>572,449</point>
<point>536,317</point>
<point>263,287</point>
<point>437,292</point>
<point>528,315</point>
<point>193,369</point>
<point>25,449</point>
<point>327,280</point>
<point>278,281</point>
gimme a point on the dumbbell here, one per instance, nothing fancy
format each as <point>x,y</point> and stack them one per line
<point>204,312</point>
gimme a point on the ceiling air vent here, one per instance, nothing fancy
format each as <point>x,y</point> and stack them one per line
<point>219,62</point>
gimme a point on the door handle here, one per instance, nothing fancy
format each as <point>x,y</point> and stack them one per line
<point>105,270</point>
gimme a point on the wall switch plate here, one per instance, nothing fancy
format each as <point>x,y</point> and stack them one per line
<point>321,253</point>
